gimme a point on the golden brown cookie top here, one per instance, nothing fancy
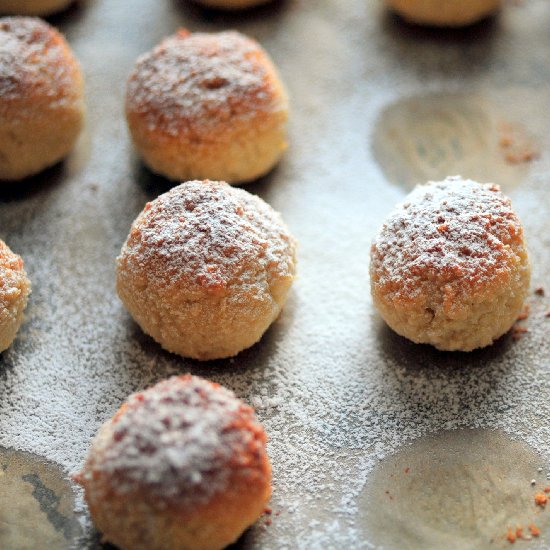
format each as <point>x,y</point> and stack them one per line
<point>35,63</point>
<point>456,236</point>
<point>193,83</point>
<point>182,441</point>
<point>208,235</point>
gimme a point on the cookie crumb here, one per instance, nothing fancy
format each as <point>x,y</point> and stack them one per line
<point>518,332</point>
<point>524,313</point>
<point>516,144</point>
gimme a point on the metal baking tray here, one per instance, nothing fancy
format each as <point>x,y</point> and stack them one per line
<point>375,442</point>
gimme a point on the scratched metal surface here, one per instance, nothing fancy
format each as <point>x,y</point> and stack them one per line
<point>377,105</point>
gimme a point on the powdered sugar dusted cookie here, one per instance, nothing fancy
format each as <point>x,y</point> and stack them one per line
<point>206,269</point>
<point>180,465</point>
<point>449,266</point>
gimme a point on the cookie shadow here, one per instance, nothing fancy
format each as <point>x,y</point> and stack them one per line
<point>197,14</point>
<point>68,18</point>
<point>400,28</point>
<point>421,357</point>
<point>152,185</point>
<point>34,186</point>
<point>143,362</point>
<point>437,51</point>
<point>429,381</point>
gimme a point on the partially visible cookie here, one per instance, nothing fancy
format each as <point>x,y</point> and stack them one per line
<point>41,97</point>
<point>15,288</point>
<point>33,7</point>
<point>444,13</point>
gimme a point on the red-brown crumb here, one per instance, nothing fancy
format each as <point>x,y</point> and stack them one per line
<point>516,144</point>
<point>524,313</point>
<point>535,531</point>
<point>546,489</point>
<point>268,521</point>
<point>407,470</point>
<point>268,510</point>
<point>521,155</point>
<point>511,536</point>
<point>539,291</point>
<point>519,532</point>
<point>541,499</point>
<point>547,314</point>
<point>518,332</point>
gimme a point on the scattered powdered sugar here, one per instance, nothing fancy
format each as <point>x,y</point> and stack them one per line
<point>192,82</point>
<point>208,234</point>
<point>180,440</point>
<point>455,232</point>
<point>35,62</point>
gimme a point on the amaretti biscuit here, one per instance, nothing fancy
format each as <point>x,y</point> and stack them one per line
<point>41,97</point>
<point>180,466</point>
<point>444,13</point>
<point>207,106</point>
<point>15,288</point>
<point>449,267</point>
<point>206,269</point>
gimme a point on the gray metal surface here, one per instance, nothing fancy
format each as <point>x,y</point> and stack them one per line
<point>376,106</point>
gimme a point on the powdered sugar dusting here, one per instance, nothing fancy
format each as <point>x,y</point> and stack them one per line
<point>193,82</point>
<point>208,234</point>
<point>457,232</point>
<point>34,62</point>
<point>178,440</point>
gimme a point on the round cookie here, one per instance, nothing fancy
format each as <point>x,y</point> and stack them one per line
<point>15,288</point>
<point>180,466</point>
<point>444,13</point>
<point>206,269</point>
<point>231,4</point>
<point>207,106</point>
<point>33,7</point>
<point>41,97</point>
<point>449,267</point>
